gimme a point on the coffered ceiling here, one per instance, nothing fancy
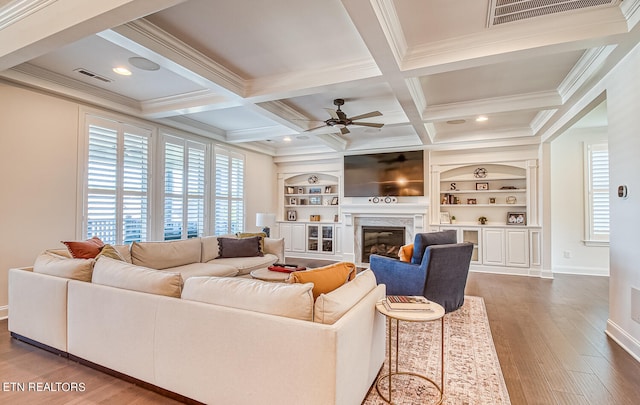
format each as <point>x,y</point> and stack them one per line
<point>261,73</point>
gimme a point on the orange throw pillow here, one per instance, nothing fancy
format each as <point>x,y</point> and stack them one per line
<point>325,279</point>
<point>87,249</point>
<point>406,252</point>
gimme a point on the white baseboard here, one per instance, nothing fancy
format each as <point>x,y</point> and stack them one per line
<point>4,312</point>
<point>583,271</point>
<point>622,338</point>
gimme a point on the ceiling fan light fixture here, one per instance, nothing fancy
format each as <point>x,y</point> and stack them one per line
<point>340,126</point>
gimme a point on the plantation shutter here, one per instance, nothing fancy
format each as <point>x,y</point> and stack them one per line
<point>598,157</point>
<point>116,197</point>
<point>229,192</point>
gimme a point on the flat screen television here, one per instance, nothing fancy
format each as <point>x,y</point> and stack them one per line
<point>384,174</point>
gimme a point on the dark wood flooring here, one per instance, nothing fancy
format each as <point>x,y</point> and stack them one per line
<point>549,336</point>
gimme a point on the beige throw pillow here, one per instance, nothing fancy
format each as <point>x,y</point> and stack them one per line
<point>65,267</point>
<point>331,306</point>
<point>119,274</point>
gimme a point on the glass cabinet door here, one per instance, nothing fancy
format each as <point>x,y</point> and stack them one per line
<point>327,238</point>
<point>313,237</point>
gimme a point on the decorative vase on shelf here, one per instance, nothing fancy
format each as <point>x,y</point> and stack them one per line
<point>453,219</point>
<point>482,220</point>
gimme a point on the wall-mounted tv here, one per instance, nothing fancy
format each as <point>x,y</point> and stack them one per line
<point>384,174</point>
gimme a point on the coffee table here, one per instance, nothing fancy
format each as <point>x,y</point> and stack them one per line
<point>267,275</point>
<point>435,312</point>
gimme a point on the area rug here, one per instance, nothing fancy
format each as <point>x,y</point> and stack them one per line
<point>472,371</point>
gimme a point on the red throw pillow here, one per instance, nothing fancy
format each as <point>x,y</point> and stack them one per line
<point>87,249</point>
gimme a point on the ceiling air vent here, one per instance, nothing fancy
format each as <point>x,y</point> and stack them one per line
<point>505,11</point>
<point>89,73</point>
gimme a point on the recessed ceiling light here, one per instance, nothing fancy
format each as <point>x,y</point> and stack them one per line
<point>287,139</point>
<point>143,63</point>
<point>454,122</point>
<point>122,71</point>
<point>481,118</point>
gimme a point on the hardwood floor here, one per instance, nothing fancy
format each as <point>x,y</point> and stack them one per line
<point>549,336</point>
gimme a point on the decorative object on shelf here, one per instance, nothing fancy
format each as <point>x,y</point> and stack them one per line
<point>292,216</point>
<point>293,201</point>
<point>265,220</point>
<point>313,179</point>
<point>300,190</point>
<point>480,173</point>
<point>482,220</point>
<point>516,218</point>
<point>453,219</point>
<point>315,200</point>
<point>453,187</point>
<point>482,186</point>
<point>511,199</point>
<point>444,218</point>
<point>314,218</point>
<point>291,190</point>
<point>327,189</point>
<point>386,199</point>
<point>492,200</point>
<point>334,201</point>
<point>471,201</point>
<point>335,218</point>
<point>315,190</point>
<point>508,188</point>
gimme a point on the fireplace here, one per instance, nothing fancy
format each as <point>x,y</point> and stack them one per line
<point>381,240</point>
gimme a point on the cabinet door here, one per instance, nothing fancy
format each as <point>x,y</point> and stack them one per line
<point>327,238</point>
<point>285,232</point>
<point>517,242</point>
<point>472,236</point>
<point>297,237</point>
<point>313,238</point>
<point>493,247</point>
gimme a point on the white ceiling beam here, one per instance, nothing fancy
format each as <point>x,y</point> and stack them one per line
<point>27,29</point>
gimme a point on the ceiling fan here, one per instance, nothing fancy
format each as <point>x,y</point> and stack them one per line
<point>340,120</point>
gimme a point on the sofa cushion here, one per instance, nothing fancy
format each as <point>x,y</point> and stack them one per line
<point>84,249</point>
<point>110,251</point>
<point>327,278</point>
<point>210,248</point>
<point>119,274</point>
<point>405,253</point>
<point>125,252</point>
<point>424,240</point>
<point>288,300</point>
<point>245,247</point>
<point>61,266</point>
<point>163,255</point>
<point>204,269</point>
<point>331,306</point>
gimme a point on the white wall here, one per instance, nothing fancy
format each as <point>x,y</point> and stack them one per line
<point>623,106</point>
<point>38,160</point>
<point>567,206</point>
<point>38,154</point>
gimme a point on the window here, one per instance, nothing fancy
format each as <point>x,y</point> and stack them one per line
<point>117,181</point>
<point>184,188</point>
<point>229,192</point>
<point>597,194</point>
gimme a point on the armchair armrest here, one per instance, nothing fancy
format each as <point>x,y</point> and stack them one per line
<point>401,278</point>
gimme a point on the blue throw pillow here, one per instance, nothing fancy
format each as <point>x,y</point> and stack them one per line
<point>424,240</point>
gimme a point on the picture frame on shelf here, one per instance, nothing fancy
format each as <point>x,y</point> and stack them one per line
<point>445,218</point>
<point>315,200</point>
<point>334,201</point>
<point>471,201</point>
<point>482,186</point>
<point>300,190</point>
<point>293,201</point>
<point>315,190</point>
<point>516,218</point>
<point>291,190</point>
<point>336,218</point>
<point>292,215</point>
<point>492,200</point>
<point>327,189</point>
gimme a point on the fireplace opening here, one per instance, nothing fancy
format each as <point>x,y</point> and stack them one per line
<point>381,240</point>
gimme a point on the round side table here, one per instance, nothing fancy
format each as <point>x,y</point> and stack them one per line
<point>434,313</point>
<point>265,274</point>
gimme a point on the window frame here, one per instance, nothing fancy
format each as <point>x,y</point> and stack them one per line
<point>591,236</point>
<point>229,227</point>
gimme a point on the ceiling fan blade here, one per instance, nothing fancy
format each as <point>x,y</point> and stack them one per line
<point>367,115</point>
<point>332,113</point>
<point>368,124</point>
<point>311,129</point>
<point>345,131</point>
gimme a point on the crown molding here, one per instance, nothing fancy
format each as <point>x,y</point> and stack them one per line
<point>17,10</point>
<point>196,127</point>
<point>187,103</point>
<point>528,101</point>
<point>258,134</point>
<point>587,66</point>
<point>540,119</point>
<point>391,27</point>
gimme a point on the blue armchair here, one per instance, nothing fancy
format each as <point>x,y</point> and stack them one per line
<point>440,274</point>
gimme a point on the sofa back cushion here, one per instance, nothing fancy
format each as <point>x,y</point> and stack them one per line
<point>288,300</point>
<point>62,266</point>
<point>163,255</point>
<point>210,248</point>
<point>331,306</point>
<point>424,240</point>
<point>119,274</point>
<point>327,278</point>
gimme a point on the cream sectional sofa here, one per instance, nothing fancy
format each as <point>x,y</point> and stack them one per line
<point>222,340</point>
